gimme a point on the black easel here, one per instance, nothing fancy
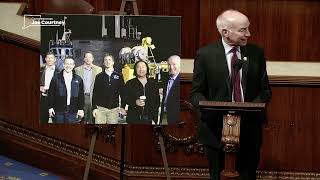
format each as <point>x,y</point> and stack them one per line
<point>92,144</point>
<point>158,128</point>
<point>123,142</point>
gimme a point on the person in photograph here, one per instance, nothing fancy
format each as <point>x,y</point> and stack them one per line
<point>60,62</point>
<point>141,94</point>
<point>66,96</point>
<point>106,93</point>
<point>41,61</point>
<point>47,71</point>
<point>88,72</point>
<point>215,78</point>
<point>170,108</point>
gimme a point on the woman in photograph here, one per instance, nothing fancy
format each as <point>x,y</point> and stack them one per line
<point>141,94</point>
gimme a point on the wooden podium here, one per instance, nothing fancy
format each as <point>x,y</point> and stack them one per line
<point>231,130</point>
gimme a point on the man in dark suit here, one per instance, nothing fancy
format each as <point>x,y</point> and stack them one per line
<point>66,95</point>
<point>47,71</point>
<point>215,79</point>
<point>170,108</point>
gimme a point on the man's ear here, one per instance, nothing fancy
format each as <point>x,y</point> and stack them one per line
<point>225,33</point>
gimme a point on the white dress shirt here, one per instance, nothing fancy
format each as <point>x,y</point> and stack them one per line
<point>49,72</point>
<point>228,53</point>
<point>67,79</point>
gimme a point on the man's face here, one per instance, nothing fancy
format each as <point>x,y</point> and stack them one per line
<point>108,62</point>
<point>174,66</point>
<point>238,33</point>
<point>50,59</point>
<point>68,65</point>
<point>88,59</point>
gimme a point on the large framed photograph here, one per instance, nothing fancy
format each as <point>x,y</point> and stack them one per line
<point>99,69</point>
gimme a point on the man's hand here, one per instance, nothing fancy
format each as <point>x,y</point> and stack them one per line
<point>80,113</point>
<point>51,112</point>
<point>123,111</point>
<point>94,113</point>
<point>140,103</point>
<point>42,89</point>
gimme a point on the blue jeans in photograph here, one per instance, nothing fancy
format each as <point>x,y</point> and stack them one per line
<point>65,117</point>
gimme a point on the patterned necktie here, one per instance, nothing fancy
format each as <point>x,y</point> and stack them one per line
<point>235,76</point>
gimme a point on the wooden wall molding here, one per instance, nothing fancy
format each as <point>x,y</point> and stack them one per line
<point>280,72</point>
<point>131,171</point>
<point>31,137</point>
<point>189,143</point>
<point>275,80</point>
<point>288,175</point>
<point>57,145</point>
<point>20,40</point>
<point>175,172</point>
<point>294,80</point>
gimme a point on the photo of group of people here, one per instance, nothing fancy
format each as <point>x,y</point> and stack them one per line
<point>99,94</point>
<point>87,84</point>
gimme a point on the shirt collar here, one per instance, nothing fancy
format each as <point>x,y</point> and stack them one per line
<point>65,74</point>
<point>53,67</point>
<point>227,47</point>
<point>107,72</point>
<point>86,67</point>
<point>174,77</point>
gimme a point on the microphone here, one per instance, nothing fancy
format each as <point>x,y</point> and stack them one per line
<point>238,65</point>
<point>236,68</point>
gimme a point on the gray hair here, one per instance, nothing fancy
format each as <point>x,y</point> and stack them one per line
<point>175,57</point>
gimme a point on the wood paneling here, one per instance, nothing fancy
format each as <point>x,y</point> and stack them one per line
<point>290,142</point>
<point>286,29</point>
<point>20,99</point>
<point>189,13</point>
<point>54,161</point>
<point>290,137</point>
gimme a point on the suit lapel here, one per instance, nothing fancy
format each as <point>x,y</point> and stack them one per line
<point>94,73</point>
<point>244,69</point>
<point>222,62</point>
<point>74,86</point>
<point>42,77</point>
<point>81,72</point>
<point>173,86</point>
<point>62,81</point>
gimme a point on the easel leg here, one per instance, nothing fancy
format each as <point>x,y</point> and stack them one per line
<point>123,141</point>
<point>92,144</point>
<point>164,156</point>
<point>134,5</point>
